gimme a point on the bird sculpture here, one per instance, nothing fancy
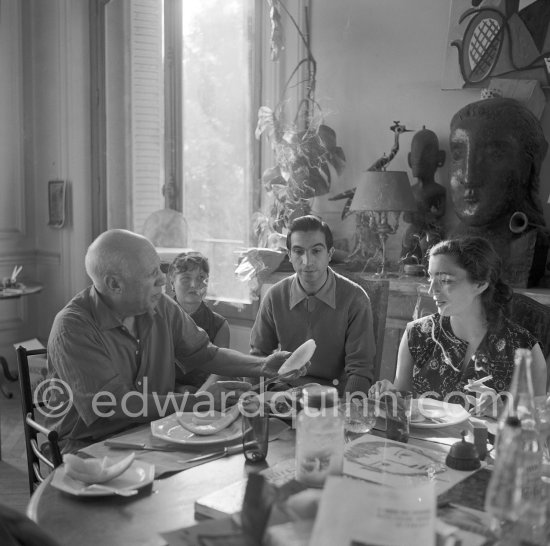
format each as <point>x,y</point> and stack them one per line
<point>379,165</point>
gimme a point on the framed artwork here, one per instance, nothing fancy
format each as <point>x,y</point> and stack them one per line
<point>56,203</point>
<point>497,39</point>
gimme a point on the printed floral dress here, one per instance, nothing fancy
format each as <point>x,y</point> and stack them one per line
<point>438,356</point>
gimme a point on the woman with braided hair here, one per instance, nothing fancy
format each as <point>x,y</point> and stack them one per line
<point>470,336</point>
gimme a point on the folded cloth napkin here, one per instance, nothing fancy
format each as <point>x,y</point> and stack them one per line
<point>168,458</point>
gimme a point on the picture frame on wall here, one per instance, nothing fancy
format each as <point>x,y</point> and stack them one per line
<point>57,196</point>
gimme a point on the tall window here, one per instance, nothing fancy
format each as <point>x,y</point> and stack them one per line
<point>218,128</point>
<point>180,114</point>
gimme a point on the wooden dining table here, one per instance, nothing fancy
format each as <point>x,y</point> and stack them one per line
<point>168,503</point>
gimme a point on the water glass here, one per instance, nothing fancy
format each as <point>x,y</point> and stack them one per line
<point>255,423</point>
<point>398,415</point>
<point>359,416</point>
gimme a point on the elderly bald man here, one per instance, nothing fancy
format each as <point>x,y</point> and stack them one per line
<point>116,344</point>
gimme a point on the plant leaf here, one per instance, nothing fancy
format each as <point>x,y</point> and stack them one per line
<point>272,177</point>
<point>266,122</point>
<point>277,44</point>
<point>338,159</point>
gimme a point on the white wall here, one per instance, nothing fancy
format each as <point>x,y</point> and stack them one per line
<point>57,145</point>
<point>380,61</point>
<point>16,225</point>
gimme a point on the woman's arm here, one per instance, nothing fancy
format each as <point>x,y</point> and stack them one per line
<point>405,364</point>
<point>484,404</point>
<point>538,371</point>
<point>403,375</point>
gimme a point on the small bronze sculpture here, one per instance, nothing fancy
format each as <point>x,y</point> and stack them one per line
<point>497,146</point>
<point>426,227</point>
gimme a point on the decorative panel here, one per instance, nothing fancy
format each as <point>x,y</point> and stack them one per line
<point>12,215</point>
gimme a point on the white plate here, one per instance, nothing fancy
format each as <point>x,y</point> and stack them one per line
<point>170,430</point>
<point>138,475</point>
<point>443,414</point>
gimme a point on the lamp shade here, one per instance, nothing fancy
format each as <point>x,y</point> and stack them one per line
<point>384,191</point>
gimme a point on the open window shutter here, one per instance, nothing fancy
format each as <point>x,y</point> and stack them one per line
<point>147,108</point>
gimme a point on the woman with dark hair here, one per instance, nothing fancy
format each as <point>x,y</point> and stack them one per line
<point>470,336</point>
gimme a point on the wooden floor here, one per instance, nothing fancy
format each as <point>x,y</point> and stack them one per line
<point>14,489</point>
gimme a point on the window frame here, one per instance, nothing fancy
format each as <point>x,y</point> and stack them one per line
<point>173,139</point>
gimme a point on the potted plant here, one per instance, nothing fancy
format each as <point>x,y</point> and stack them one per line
<point>307,157</point>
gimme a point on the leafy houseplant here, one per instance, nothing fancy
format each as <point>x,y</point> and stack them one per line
<point>306,155</point>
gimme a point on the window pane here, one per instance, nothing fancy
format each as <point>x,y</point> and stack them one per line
<point>217,148</point>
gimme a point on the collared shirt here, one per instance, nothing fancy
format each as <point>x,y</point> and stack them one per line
<point>325,294</point>
<point>91,351</point>
<point>338,317</point>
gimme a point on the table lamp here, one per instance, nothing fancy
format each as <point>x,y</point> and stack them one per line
<point>378,194</point>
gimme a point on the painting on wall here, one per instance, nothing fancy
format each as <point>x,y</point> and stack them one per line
<point>497,38</point>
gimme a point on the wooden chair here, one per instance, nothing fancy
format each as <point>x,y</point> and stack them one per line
<point>535,317</point>
<point>37,460</point>
<point>378,291</point>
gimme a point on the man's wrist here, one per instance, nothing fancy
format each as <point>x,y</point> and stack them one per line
<point>259,368</point>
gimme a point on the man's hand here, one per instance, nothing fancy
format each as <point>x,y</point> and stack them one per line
<point>273,362</point>
<point>223,394</point>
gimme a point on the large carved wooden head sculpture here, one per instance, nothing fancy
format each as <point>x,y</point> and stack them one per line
<point>497,147</point>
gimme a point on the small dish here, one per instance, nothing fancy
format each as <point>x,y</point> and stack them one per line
<point>169,429</point>
<point>137,476</point>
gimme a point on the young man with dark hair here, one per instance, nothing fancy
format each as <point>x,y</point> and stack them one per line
<point>320,304</point>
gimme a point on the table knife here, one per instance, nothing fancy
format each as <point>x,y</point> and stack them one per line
<point>125,444</point>
<point>122,444</point>
<point>213,455</point>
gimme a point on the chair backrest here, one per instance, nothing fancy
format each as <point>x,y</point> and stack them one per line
<point>37,460</point>
<point>378,291</point>
<point>535,317</point>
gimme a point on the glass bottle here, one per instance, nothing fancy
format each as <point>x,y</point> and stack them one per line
<point>503,497</point>
<point>521,404</point>
<point>319,436</point>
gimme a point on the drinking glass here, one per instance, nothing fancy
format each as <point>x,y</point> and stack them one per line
<point>255,423</point>
<point>398,415</point>
<point>359,417</point>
